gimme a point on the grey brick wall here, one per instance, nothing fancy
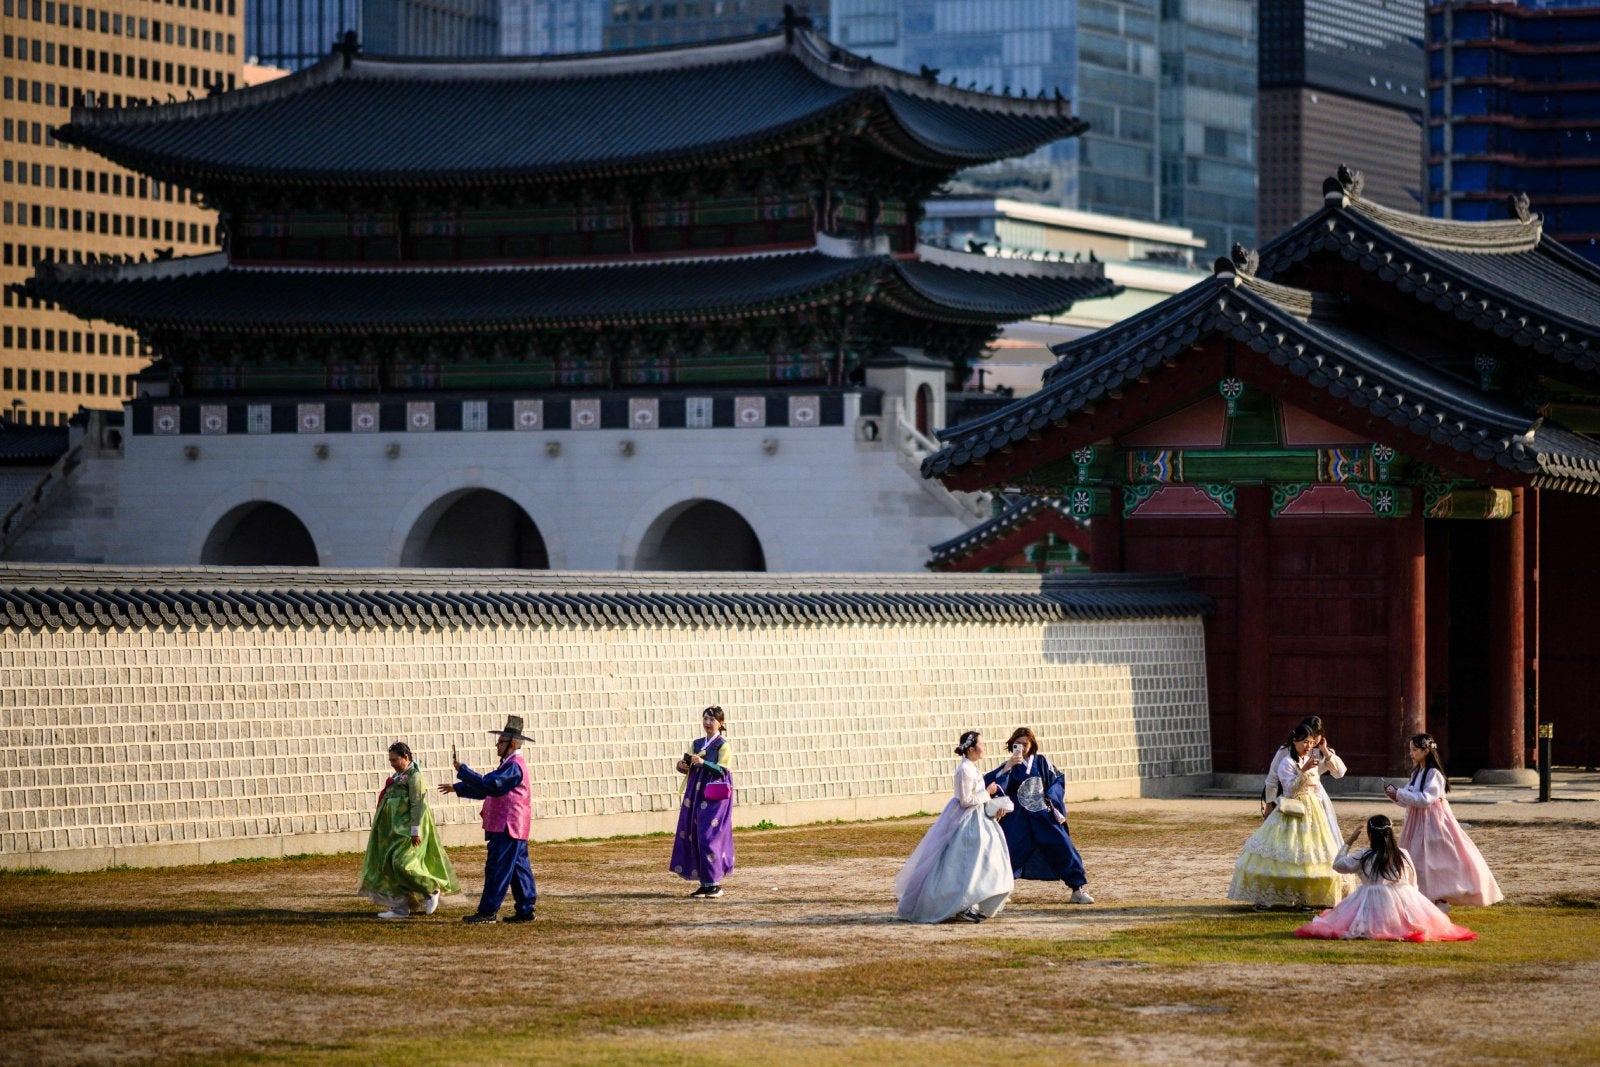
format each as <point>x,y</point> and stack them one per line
<point>178,745</point>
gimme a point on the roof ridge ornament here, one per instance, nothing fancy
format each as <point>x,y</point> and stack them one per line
<point>349,46</point>
<point>1248,260</point>
<point>1519,207</point>
<point>792,21</point>
<point>1351,180</point>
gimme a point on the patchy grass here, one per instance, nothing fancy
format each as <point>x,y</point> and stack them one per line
<point>278,962</point>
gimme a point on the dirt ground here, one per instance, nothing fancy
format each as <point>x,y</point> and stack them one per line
<point>802,961</point>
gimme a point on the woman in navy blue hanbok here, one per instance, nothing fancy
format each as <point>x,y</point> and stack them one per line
<point>1036,833</point>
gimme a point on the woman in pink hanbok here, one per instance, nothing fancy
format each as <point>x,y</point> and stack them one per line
<point>1387,906</point>
<point>1450,869</point>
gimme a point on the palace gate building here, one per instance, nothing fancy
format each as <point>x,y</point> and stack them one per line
<point>1371,444</point>
<point>653,310</point>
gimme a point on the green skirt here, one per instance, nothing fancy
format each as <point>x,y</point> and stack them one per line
<point>394,871</point>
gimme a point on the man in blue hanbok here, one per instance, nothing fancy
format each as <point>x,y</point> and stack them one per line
<point>1036,832</point>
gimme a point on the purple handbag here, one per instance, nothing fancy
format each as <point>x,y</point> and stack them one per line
<point>721,789</point>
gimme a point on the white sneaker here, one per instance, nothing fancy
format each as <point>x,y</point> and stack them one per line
<point>1080,895</point>
<point>432,904</point>
<point>394,915</point>
<point>1442,905</point>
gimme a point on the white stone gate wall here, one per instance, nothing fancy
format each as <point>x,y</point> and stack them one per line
<point>178,745</point>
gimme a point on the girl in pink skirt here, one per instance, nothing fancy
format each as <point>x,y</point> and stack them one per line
<point>1387,906</point>
<point>1450,869</point>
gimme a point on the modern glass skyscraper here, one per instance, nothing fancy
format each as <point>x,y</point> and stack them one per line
<point>1341,81</point>
<point>1208,119</point>
<point>552,27</point>
<point>296,33</point>
<point>646,23</point>
<point>1512,108</point>
<point>1168,87</point>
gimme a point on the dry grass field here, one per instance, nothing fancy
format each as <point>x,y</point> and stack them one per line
<point>801,962</point>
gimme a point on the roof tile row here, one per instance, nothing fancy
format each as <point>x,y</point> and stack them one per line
<point>234,601</point>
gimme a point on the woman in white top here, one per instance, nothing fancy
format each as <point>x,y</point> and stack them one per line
<point>1288,861</point>
<point>1450,869</point>
<point>1387,906</point>
<point>1328,764</point>
<point>961,869</point>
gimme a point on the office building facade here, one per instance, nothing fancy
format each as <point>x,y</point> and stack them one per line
<point>552,27</point>
<point>294,34</point>
<point>1511,110</point>
<point>60,203</point>
<point>650,23</point>
<point>1341,82</point>
<point>1168,88</point>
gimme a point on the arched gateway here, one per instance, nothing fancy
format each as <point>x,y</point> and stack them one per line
<point>475,528</point>
<point>700,535</point>
<point>259,534</point>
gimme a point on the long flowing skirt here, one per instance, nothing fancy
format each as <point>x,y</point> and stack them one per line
<point>1449,865</point>
<point>961,862</point>
<point>395,873</point>
<point>1385,912</point>
<point>1288,862</point>
<point>702,850</point>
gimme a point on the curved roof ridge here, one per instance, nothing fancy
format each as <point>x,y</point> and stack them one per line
<point>1527,288</point>
<point>823,59</point>
<point>329,68</point>
<point>1070,354</point>
<point>1457,235</point>
<point>1328,355</point>
<point>224,298</point>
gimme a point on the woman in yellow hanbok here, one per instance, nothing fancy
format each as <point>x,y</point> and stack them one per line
<point>1288,861</point>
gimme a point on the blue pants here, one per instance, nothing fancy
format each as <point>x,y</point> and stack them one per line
<point>507,868</point>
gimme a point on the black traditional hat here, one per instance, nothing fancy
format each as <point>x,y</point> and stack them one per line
<point>513,729</point>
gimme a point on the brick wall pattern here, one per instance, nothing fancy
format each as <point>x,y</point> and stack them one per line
<point>114,739</point>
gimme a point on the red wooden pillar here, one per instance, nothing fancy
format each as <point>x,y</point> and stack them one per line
<point>1105,532</point>
<point>1507,639</point>
<point>1531,539</point>
<point>1253,509</point>
<point>1408,626</point>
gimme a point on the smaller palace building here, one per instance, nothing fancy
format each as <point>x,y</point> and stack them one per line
<point>663,309</point>
<point>1372,444</point>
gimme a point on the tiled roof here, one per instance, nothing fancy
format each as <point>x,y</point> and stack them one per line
<point>411,121</point>
<point>31,445</point>
<point>1016,513</point>
<point>205,293</point>
<point>1302,333</point>
<point>36,597</point>
<point>1507,278</point>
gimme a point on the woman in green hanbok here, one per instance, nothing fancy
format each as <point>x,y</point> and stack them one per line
<point>406,868</point>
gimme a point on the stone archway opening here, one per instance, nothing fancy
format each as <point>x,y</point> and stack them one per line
<point>475,528</point>
<point>924,410</point>
<point>700,535</point>
<point>259,534</point>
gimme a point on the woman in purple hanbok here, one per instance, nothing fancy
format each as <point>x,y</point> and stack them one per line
<point>702,851</point>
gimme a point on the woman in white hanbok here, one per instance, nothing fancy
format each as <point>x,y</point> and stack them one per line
<point>1328,765</point>
<point>961,869</point>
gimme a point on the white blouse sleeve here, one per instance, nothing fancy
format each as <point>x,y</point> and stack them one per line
<point>1429,791</point>
<point>1269,793</point>
<point>970,792</point>
<point>1289,775</point>
<point>1333,766</point>
<point>1350,862</point>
